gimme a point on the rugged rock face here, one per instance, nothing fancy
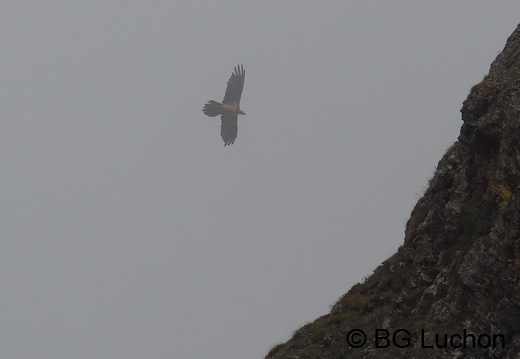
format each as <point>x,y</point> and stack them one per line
<point>452,290</point>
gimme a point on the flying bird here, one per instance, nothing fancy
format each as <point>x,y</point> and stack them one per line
<point>229,109</point>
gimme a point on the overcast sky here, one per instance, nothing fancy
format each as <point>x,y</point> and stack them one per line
<point>129,231</point>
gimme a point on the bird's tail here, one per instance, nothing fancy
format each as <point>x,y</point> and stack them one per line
<point>212,108</point>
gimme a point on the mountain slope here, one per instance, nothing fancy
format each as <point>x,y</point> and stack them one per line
<point>452,290</point>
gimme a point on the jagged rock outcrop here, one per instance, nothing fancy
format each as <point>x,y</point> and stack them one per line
<point>452,290</point>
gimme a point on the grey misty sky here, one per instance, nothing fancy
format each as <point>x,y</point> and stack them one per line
<point>128,230</point>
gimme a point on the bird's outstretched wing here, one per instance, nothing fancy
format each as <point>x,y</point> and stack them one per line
<point>229,128</point>
<point>235,85</point>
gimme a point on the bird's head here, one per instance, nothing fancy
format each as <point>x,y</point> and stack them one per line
<point>241,112</point>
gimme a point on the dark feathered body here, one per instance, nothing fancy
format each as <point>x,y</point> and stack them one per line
<point>229,109</point>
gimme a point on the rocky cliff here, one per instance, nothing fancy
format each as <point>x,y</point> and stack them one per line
<point>452,290</point>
